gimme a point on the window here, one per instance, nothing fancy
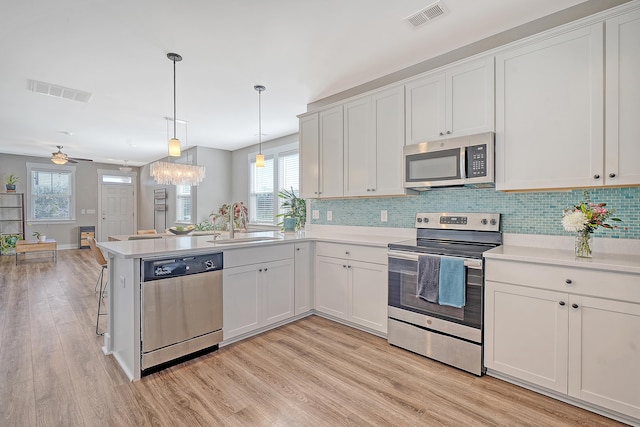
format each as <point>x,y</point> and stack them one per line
<point>280,171</point>
<point>51,192</point>
<point>183,203</point>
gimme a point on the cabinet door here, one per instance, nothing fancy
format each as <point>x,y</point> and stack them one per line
<point>368,288</point>
<point>331,164</point>
<point>331,294</point>
<point>388,110</point>
<point>549,110</point>
<point>241,300</point>
<point>470,98</point>
<point>303,277</point>
<point>604,351</point>
<point>277,286</point>
<point>526,334</point>
<point>309,156</point>
<point>623,100</point>
<point>425,109</point>
<point>359,148</point>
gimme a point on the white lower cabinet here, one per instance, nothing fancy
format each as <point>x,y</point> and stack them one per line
<point>570,330</point>
<point>351,289</point>
<point>303,277</point>
<point>257,295</point>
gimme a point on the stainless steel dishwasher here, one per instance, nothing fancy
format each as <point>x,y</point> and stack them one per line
<point>181,311</point>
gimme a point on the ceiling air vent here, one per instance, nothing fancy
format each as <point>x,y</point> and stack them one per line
<point>58,91</point>
<point>427,14</point>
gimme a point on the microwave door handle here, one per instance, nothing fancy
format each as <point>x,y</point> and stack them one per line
<point>463,163</point>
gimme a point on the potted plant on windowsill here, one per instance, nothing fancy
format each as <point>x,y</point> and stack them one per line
<point>10,183</point>
<point>294,216</point>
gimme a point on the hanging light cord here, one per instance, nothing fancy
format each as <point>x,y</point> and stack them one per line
<point>174,97</point>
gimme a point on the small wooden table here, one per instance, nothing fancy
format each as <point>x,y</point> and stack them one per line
<point>49,245</point>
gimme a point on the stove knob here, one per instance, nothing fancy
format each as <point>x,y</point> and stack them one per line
<point>426,220</point>
<point>484,221</point>
<point>419,219</point>
<point>493,222</point>
<point>208,264</point>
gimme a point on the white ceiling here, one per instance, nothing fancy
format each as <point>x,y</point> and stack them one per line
<point>301,50</point>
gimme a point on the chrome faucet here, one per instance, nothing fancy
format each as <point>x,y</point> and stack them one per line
<point>232,217</point>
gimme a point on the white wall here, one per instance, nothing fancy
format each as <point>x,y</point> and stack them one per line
<point>66,235</point>
<point>240,164</point>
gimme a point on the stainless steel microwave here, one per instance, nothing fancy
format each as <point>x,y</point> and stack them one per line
<point>466,160</point>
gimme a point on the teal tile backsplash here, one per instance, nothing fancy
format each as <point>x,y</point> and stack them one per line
<point>522,213</point>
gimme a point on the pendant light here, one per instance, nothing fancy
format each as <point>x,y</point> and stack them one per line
<point>260,156</point>
<point>166,173</point>
<point>174,143</point>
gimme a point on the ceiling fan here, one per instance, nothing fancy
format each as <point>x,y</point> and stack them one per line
<point>60,158</point>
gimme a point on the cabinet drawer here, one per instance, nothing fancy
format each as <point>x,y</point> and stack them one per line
<point>86,234</point>
<point>256,255</point>
<point>353,252</point>
<point>597,283</point>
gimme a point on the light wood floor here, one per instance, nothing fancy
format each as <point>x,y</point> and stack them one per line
<point>313,372</point>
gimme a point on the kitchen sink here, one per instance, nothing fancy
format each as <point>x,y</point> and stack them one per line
<point>243,240</point>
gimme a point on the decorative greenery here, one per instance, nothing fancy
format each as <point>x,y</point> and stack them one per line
<point>586,217</point>
<point>241,216</point>
<point>12,180</point>
<point>8,242</point>
<point>37,234</point>
<point>295,207</point>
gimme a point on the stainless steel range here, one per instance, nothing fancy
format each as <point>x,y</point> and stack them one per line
<point>444,262</point>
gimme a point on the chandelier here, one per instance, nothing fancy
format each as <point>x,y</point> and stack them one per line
<point>165,173</point>
<point>176,174</point>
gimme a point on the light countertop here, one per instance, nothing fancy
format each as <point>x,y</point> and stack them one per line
<point>629,263</point>
<point>174,245</point>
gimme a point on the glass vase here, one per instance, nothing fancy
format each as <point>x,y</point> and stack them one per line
<point>584,245</point>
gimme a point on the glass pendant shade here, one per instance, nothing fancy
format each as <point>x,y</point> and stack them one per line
<point>59,160</point>
<point>174,147</point>
<point>259,160</point>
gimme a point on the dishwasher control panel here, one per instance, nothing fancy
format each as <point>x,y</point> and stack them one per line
<point>155,269</point>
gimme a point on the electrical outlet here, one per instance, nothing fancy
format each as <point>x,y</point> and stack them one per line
<point>329,216</point>
<point>315,214</point>
<point>383,216</point>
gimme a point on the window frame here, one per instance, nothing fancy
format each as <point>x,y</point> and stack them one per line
<point>179,197</point>
<point>41,167</point>
<point>275,154</point>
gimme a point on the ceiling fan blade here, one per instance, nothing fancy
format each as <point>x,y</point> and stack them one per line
<point>78,159</point>
<point>71,160</point>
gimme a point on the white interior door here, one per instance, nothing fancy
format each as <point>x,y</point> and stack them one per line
<point>117,210</point>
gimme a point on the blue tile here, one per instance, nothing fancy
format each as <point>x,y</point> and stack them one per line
<point>522,213</point>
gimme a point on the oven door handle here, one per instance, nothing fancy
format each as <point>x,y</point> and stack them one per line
<point>413,256</point>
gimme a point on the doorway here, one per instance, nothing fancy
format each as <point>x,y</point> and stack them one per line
<point>116,204</point>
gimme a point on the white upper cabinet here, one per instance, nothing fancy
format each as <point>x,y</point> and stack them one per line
<point>309,156</point>
<point>549,112</point>
<point>373,141</point>
<point>622,124</point>
<point>458,101</point>
<point>321,148</point>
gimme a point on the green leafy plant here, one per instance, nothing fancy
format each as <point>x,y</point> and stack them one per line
<point>12,180</point>
<point>294,206</point>
<point>8,243</point>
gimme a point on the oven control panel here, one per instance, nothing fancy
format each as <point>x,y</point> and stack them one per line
<point>459,221</point>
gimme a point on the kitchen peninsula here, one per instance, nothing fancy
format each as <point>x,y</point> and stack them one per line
<point>267,281</point>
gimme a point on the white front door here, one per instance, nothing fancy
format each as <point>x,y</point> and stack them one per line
<point>117,210</point>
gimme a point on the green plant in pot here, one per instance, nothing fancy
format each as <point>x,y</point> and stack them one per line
<point>8,243</point>
<point>11,182</point>
<point>294,216</point>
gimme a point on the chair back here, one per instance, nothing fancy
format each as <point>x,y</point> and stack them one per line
<point>97,253</point>
<point>146,232</point>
